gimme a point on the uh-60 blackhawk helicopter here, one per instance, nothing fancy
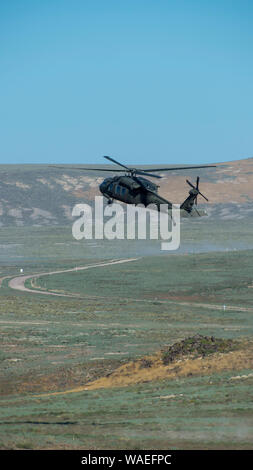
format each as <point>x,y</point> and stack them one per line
<point>134,189</point>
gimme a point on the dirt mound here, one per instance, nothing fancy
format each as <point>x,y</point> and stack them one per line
<point>197,345</point>
<point>198,355</point>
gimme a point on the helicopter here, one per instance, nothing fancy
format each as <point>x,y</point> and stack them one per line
<point>133,188</point>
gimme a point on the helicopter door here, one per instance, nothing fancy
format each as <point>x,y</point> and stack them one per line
<point>117,190</point>
<point>120,192</point>
<point>123,191</point>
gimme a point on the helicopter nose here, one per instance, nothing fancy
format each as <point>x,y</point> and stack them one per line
<point>102,187</point>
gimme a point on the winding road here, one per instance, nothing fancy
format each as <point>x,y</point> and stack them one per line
<point>18,283</point>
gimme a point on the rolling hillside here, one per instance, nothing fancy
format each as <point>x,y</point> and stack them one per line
<point>41,195</point>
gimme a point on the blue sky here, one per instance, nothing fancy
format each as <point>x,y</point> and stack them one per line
<point>144,81</point>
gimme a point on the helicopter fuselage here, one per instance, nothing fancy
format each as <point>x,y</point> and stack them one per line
<point>131,190</point>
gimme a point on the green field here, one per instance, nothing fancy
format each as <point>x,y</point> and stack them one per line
<point>216,277</point>
<point>123,312</point>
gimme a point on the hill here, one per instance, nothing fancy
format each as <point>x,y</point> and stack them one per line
<point>42,195</point>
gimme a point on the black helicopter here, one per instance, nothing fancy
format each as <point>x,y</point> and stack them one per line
<point>134,189</point>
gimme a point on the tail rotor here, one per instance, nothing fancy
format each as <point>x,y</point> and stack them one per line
<point>196,188</point>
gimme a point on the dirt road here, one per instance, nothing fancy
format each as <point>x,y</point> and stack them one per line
<point>18,283</point>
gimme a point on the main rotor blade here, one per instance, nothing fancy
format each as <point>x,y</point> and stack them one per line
<point>147,174</point>
<point>117,163</point>
<point>179,168</point>
<point>86,169</point>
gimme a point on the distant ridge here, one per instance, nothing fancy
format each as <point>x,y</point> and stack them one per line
<point>43,195</point>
